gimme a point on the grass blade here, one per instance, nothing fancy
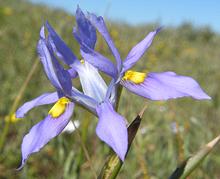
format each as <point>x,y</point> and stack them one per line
<point>189,165</point>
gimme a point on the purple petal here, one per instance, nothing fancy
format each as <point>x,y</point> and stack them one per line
<point>138,50</point>
<point>46,98</point>
<point>63,76</point>
<point>73,73</point>
<point>111,129</point>
<point>85,29</point>
<point>112,92</point>
<point>99,61</point>
<point>85,34</point>
<point>42,32</point>
<point>166,85</point>
<point>59,77</point>
<point>84,100</point>
<point>99,23</point>
<point>64,51</point>
<point>46,60</point>
<point>41,133</point>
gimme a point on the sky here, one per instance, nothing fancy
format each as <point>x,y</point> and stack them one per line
<point>166,12</point>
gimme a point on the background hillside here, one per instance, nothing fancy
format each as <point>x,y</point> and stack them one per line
<point>187,50</point>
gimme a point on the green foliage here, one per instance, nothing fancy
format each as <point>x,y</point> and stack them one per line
<point>186,50</point>
<point>192,162</point>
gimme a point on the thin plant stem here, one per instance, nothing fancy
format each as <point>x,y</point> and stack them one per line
<point>141,161</point>
<point>179,143</point>
<point>16,102</point>
<point>85,151</point>
<point>84,127</point>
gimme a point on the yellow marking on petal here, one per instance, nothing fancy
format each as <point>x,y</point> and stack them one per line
<point>135,77</point>
<point>82,61</point>
<point>59,107</point>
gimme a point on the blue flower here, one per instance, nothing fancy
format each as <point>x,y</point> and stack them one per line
<point>151,85</point>
<point>94,96</point>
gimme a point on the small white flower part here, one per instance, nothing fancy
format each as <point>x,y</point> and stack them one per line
<point>70,128</point>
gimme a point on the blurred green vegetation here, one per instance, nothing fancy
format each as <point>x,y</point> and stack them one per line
<point>187,50</point>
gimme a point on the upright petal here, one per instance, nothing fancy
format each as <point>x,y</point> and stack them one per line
<point>64,51</point>
<point>43,132</point>
<point>73,73</point>
<point>166,85</point>
<point>46,98</point>
<point>112,91</point>
<point>85,30</point>
<point>138,50</point>
<point>46,60</point>
<point>111,129</point>
<point>63,76</point>
<point>92,83</point>
<point>49,41</point>
<point>99,23</point>
<point>85,34</point>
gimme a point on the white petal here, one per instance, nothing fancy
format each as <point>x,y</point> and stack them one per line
<point>92,83</point>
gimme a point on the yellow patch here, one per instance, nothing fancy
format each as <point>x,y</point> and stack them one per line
<point>82,61</point>
<point>12,118</point>
<point>135,77</point>
<point>59,107</point>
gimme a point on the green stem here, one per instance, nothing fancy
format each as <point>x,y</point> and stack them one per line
<point>84,128</point>
<point>120,88</point>
<point>85,151</point>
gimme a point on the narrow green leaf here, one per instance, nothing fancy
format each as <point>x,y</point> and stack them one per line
<point>189,165</point>
<point>179,170</point>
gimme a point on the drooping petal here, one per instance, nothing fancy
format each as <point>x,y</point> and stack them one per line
<point>41,133</point>
<point>92,83</point>
<point>138,50</point>
<point>68,57</point>
<point>85,30</point>
<point>166,85</point>
<point>46,98</point>
<point>99,23</point>
<point>111,129</point>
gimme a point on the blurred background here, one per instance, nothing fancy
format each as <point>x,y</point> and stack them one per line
<point>170,131</point>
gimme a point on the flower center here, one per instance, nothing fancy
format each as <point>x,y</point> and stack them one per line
<point>135,77</point>
<point>59,107</point>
